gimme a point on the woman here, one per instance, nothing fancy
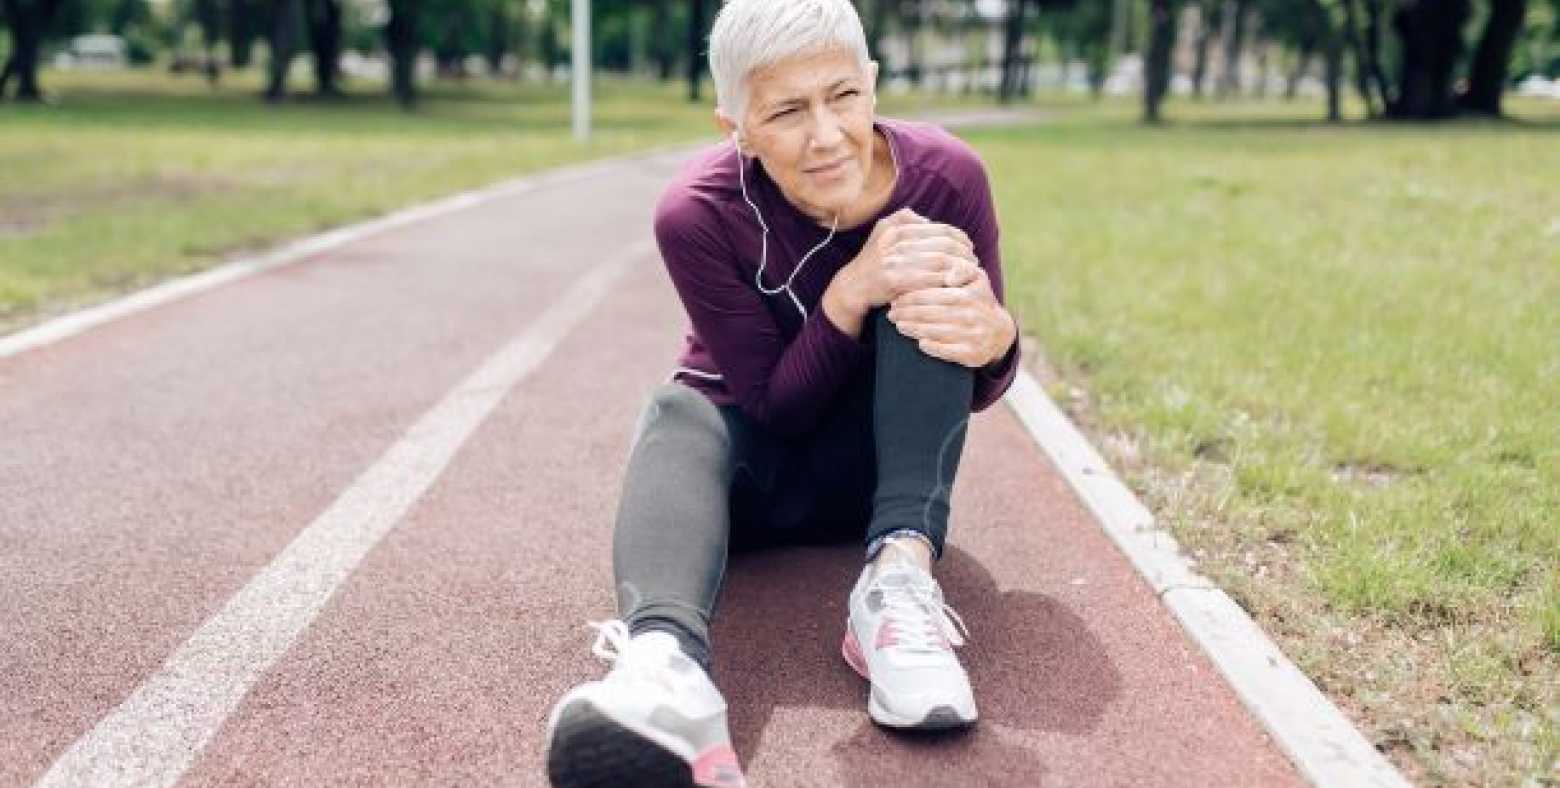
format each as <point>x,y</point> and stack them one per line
<point>841,275</point>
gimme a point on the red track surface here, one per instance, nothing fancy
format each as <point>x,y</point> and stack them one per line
<point>150,467</point>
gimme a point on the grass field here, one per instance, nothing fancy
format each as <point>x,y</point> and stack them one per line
<point>133,177</point>
<point>1329,359</point>
<point>1327,356</point>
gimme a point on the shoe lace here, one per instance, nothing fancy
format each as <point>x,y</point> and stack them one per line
<point>612,644</point>
<point>612,633</point>
<point>922,620</point>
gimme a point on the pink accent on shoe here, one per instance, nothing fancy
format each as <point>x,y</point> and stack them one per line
<point>851,650</point>
<point>717,767</point>
<point>887,635</point>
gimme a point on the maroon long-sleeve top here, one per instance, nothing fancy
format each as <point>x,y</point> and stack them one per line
<point>756,350</point>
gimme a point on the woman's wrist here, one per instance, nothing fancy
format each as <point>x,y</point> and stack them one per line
<point>1008,335</point>
<point>842,306</point>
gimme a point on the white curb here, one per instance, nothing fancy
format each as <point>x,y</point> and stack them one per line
<point>1324,746</point>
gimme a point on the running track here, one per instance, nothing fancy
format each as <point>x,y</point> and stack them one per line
<point>153,470</point>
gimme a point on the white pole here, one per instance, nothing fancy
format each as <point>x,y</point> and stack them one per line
<point>581,69</point>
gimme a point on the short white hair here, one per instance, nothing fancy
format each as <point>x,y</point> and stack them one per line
<point>751,34</point>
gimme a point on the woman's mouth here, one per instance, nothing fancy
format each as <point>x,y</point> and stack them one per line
<point>831,169</point>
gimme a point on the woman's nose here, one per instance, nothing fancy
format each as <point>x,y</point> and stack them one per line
<point>827,131</point>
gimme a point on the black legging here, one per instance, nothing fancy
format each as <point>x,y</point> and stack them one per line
<point>701,478</point>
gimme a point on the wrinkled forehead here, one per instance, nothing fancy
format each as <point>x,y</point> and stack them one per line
<point>801,77</point>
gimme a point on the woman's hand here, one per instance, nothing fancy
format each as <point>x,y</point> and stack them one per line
<point>964,324</point>
<point>906,252</point>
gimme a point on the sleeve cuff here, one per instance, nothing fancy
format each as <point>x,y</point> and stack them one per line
<point>992,380</point>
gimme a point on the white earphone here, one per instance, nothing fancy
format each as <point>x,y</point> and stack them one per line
<point>763,259</point>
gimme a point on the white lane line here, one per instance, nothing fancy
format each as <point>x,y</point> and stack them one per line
<point>157,732</point>
<point>1324,746</point>
<point>74,323</point>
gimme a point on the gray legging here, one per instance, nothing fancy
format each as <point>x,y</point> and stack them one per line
<point>703,478</point>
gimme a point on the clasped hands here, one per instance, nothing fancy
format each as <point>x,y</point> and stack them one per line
<point>936,291</point>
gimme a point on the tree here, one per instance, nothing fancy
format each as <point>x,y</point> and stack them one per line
<point>1013,43</point>
<point>286,19</point>
<point>1487,77</point>
<point>1208,20</point>
<point>324,17</point>
<point>244,18</point>
<point>1082,30</point>
<point>1234,34</point>
<point>1156,67</point>
<point>663,45</point>
<point>1430,32</point>
<point>28,21</point>
<point>696,35</point>
<point>208,16</point>
<point>1320,21</point>
<point>401,40</point>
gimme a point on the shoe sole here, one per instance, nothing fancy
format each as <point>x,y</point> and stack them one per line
<point>936,719</point>
<point>591,750</point>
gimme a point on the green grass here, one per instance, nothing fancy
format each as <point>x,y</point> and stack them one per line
<point>129,178</point>
<point>1334,353</point>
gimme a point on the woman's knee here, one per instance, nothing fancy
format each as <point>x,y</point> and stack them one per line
<point>673,408</point>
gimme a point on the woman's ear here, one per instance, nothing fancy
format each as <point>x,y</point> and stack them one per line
<point>724,123</point>
<point>728,128</point>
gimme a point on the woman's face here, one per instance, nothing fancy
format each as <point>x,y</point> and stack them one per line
<point>809,120</point>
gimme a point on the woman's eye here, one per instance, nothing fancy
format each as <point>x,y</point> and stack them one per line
<point>782,113</point>
<point>848,93</point>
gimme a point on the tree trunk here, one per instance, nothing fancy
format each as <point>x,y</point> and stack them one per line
<point>241,32</point>
<point>1487,77</point>
<point>1156,71</point>
<point>1332,51</point>
<point>1013,42</point>
<point>660,35</point>
<point>1302,65</point>
<point>1234,42</point>
<point>875,26</point>
<point>1373,50</point>
<point>1431,35</point>
<point>325,40</point>
<point>208,14</point>
<point>28,23</point>
<point>497,38</point>
<point>1255,32</point>
<point>1099,62</point>
<point>1361,77</point>
<point>1262,70</point>
<point>284,38</point>
<point>1332,57</point>
<point>695,46</point>
<point>401,40</point>
<point>1207,19</point>
<point>911,25</point>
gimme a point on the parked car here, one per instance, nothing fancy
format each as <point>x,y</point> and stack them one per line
<point>93,50</point>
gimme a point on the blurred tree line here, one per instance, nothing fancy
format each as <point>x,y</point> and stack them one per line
<point>1419,59</point>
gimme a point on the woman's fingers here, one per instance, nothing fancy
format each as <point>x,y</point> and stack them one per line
<point>934,296</point>
<point>941,332</point>
<point>929,237</point>
<point>905,279</point>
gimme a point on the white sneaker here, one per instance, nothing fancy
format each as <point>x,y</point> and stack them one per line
<point>655,720</point>
<point>917,681</point>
